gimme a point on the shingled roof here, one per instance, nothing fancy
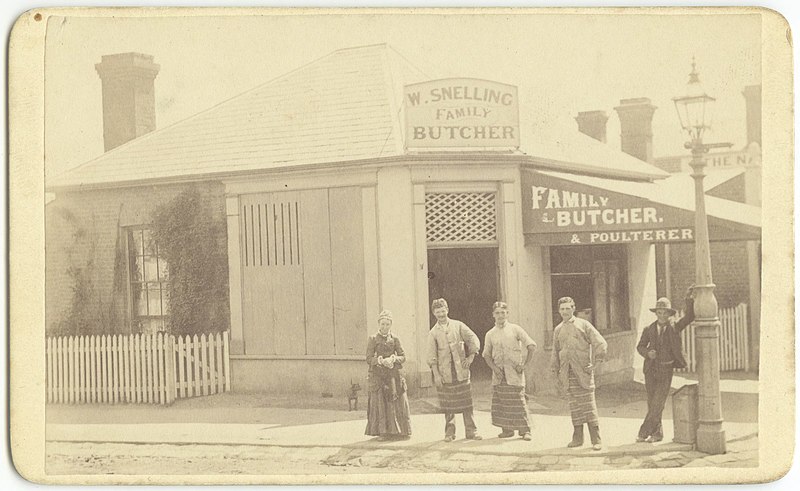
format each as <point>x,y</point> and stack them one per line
<point>343,107</point>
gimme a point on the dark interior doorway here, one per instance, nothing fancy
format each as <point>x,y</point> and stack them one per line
<point>577,286</point>
<point>469,280</point>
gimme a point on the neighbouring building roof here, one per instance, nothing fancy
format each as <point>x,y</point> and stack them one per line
<point>343,107</point>
<point>577,152</point>
<point>712,180</point>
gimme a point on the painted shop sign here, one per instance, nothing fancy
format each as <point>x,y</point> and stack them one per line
<point>619,237</point>
<point>720,160</point>
<point>590,215</point>
<point>730,159</point>
<point>461,112</point>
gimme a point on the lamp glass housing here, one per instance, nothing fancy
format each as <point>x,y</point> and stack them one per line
<point>695,108</point>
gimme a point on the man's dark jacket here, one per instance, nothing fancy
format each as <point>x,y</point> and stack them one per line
<point>671,339</point>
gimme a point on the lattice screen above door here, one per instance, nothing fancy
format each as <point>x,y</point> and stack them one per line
<point>461,219</point>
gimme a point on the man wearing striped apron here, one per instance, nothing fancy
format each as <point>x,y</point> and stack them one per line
<point>503,352</point>
<point>576,346</point>
<point>451,348</point>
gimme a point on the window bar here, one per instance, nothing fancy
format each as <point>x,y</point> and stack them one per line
<point>291,241</point>
<point>266,225</point>
<point>244,220</point>
<point>260,251</point>
<point>146,300</point>
<point>297,223</point>
<point>283,237</point>
<point>252,234</point>
<point>275,231</point>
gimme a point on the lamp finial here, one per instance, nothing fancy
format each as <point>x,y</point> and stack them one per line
<point>694,76</point>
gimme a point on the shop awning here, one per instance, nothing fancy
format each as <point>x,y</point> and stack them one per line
<point>560,208</point>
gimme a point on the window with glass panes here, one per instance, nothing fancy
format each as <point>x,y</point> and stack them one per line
<point>149,275</point>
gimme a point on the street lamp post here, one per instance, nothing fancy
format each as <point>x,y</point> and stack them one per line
<point>693,109</point>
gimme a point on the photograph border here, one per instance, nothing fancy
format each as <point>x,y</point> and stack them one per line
<point>26,265</point>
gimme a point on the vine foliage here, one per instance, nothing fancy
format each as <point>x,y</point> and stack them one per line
<point>90,311</point>
<point>193,241</point>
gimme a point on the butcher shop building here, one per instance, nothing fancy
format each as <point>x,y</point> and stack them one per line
<point>356,184</point>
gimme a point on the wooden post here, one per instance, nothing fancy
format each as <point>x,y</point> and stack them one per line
<point>133,346</point>
<point>81,370</point>
<point>76,374</point>
<point>212,366</point>
<point>49,370</point>
<point>162,399</point>
<point>119,379</point>
<point>101,364</point>
<point>226,357</point>
<point>70,371</point>
<point>87,364</point>
<point>98,368</point>
<point>140,369</point>
<point>72,394</point>
<point>90,366</point>
<point>220,372</point>
<point>169,360</point>
<point>98,360</point>
<point>745,342</point>
<point>126,369</point>
<point>196,364</point>
<point>151,368</point>
<point>154,367</point>
<point>60,367</point>
<point>720,343</point>
<point>204,364</point>
<point>108,375</point>
<point>149,362</point>
<point>67,387</point>
<point>731,338</point>
<point>726,340</point>
<point>146,369</point>
<point>181,369</point>
<point>110,367</point>
<point>47,376</point>
<point>114,379</point>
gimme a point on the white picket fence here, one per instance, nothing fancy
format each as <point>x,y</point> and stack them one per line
<point>733,346</point>
<point>140,368</point>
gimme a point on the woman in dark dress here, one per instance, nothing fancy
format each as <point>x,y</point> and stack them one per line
<point>387,403</point>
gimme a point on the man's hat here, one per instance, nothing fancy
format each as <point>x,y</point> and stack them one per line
<point>663,303</point>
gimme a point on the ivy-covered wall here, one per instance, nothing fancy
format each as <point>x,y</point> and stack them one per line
<point>86,269</point>
<point>194,245</point>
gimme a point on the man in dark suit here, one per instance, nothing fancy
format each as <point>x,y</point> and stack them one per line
<point>661,348</point>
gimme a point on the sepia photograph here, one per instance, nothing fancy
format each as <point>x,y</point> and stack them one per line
<point>394,246</point>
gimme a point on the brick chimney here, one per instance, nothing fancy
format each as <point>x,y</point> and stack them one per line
<point>752,97</point>
<point>129,107</point>
<point>593,123</point>
<point>636,127</point>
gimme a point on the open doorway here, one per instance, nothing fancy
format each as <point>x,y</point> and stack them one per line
<point>596,278</point>
<point>468,279</point>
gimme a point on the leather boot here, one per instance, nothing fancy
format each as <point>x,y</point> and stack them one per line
<point>594,433</point>
<point>577,437</point>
